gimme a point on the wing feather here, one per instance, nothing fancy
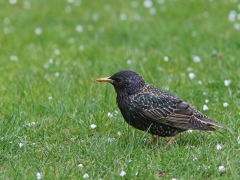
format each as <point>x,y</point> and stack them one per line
<point>173,112</point>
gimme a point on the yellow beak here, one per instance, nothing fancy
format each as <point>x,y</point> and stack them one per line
<point>105,79</point>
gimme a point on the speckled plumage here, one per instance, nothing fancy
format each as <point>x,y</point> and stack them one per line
<point>148,108</point>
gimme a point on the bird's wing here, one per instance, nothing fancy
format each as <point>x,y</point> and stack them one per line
<point>171,111</point>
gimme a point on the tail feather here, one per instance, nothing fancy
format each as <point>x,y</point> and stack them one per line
<point>210,122</point>
<point>196,124</point>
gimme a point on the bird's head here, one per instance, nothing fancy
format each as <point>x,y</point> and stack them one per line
<point>125,82</point>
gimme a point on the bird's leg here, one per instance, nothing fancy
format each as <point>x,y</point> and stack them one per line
<point>154,139</point>
<point>170,141</point>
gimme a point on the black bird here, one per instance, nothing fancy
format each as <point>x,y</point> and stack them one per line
<point>150,109</point>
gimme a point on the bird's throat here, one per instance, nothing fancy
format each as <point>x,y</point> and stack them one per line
<point>122,99</point>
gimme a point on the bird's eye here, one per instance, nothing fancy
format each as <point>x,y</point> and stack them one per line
<point>117,79</point>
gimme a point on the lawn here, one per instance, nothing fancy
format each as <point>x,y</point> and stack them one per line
<point>57,122</point>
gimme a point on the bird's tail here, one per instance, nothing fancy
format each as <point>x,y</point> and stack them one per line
<point>210,122</point>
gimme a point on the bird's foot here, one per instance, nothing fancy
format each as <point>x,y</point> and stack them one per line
<point>150,143</point>
<point>154,140</point>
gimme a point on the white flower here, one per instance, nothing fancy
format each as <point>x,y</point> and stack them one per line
<point>147,3</point>
<point>123,173</point>
<point>93,126</point>
<point>6,30</point>
<point>46,66</point>
<point>71,40</point>
<point>237,26</point>
<point>194,33</point>
<point>31,124</point>
<point>174,179</point>
<point>119,133</point>
<point>190,131</point>
<point>38,31</point>
<point>166,88</point>
<point>238,139</point>
<point>204,93</point>
<point>189,69</point>
<point>218,147</point>
<point>136,173</point>
<point>191,75</point>
<point>110,139</point>
<point>129,61</point>
<point>50,98</point>
<point>166,58</point>
<point>207,167</point>
<point>232,15</point>
<point>221,168</point>
<point>196,59</point>
<point>206,100</point>
<point>57,51</point>
<point>227,82</point>
<point>199,82</point>
<point>225,104</point>
<point>56,74</point>
<point>123,17</point>
<point>85,175</point>
<point>110,114</point>
<point>152,11</point>
<point>68,9</point>
<point>13,58</point>
<point>20,144</point>
<point>194,158</point>
<point>79,28</point>
<point>80,165</point>
<point>13,1</point>
<point>205,107</point>
<point>95,17</point>
<point>81,47</point>
<point>39,175</point>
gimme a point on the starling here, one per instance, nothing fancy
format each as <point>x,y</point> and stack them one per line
<point>150,109</point>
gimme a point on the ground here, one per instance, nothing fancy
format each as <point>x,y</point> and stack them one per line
<point>56,122</point>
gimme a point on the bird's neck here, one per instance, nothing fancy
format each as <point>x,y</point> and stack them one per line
<point>123,99</point>
<point>124,96</point>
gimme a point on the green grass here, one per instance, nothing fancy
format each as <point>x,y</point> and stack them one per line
<point>61,97</point>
